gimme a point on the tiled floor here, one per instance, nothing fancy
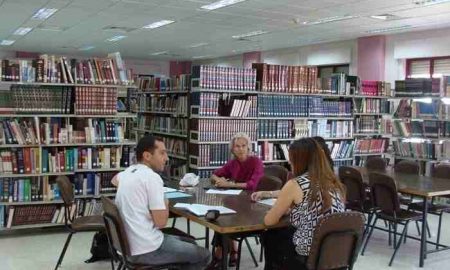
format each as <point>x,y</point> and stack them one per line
<point>41,251</point>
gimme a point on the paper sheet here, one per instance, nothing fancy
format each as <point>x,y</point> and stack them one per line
<point>224,191</point>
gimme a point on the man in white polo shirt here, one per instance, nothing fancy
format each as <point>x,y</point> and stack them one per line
<point>140,199</point>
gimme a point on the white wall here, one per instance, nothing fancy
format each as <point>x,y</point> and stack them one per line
<point>227,61</point>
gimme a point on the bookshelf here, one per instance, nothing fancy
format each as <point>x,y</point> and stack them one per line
<point>162,109</point>
<point>59,118</point>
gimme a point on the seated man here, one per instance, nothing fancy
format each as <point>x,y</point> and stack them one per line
<point>140,199</point>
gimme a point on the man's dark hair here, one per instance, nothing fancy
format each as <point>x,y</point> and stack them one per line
<point>146,143</point>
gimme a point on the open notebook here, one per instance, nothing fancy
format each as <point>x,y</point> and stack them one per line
<point>201,209</point>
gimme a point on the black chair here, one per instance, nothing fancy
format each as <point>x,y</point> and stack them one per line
<point>79,224</point>
<point>358,196</point>
<point>344,228</point>
<point>376,164</point>
<point>277,171</point>
<point>118,240</point>
<point>386,199</point>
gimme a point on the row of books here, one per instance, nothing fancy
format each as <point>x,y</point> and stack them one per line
<point>176,104</point>
<point>340,163</point>
<point>164,124</point>
<point>368,124</point>
<point>372,106</point>
<point>215,77</point>
<point>317,106</point>
<point>28,189</point>
<point>341,150</point>
<point>374,88</point>
<point>370,146</point>
<point>423,150</point>
<point>34,160</point>
<point>55,69</point>
<point>418,109</point>
<point>279,78</point>
<point>31,131</point>
<point>268,151</point>
<point>330,128</point>
<point>212,154</point>
<point>275,129</point>
<point>221,129</point>
<point>176,146</point>
<point>42,99</point>
<point>417,87</point>
<point>413,128</point>
<point>342,84</point>
<point>95,100</point>
<point>94,183</point>
<point>162,84</point>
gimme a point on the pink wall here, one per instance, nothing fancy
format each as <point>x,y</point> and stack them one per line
<point>180,67</point>
<point>249,58</point>
<point>371,58</point>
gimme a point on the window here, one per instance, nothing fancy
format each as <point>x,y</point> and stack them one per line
<point>428,67</point>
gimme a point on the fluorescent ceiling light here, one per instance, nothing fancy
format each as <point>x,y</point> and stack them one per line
<point>380,17</point>
<point>158,24</point>
<point>446,100</point>
<point>330,19</point>
<point>86,48</point>
<point>200,56</point>
<point>430,2</point>
<point>198,45</point>
<point>221,4</point>
<point>7,42</point>
<point>251,34</point>
<point>44,13</point>
<point>423,100</point>
<point>159,53</point>
<point>116,38</point>
<point>389,29</point>
<point>22,31</point>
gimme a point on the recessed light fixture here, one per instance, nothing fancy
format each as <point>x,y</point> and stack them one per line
<point>389,29</point>
<point>429,2</point>
<point>116,38</point>
<point>198,45</point>
<point>158,24</point>
<point>221,4</point>
<point>159,53</point>
<point>201,56</point>
<point>7,42</point>
<point>86,48</point>
<point>44,13</point>
<point>251,34</point>
<point>380,17</point>
<point>330,19</point>
<point>22,31</point>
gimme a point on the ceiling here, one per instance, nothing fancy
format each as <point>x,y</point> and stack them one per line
<point>81,23</point>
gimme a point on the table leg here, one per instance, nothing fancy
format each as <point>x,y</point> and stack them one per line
<point>225,248</point>
<point>423,239</point>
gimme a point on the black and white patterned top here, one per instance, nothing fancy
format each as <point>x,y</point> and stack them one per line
<point>305,219</point>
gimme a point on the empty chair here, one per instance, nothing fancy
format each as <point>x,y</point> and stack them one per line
<point>358,197</point>
<point>407,166</point>
<point>278,171</point>
<point>336,241</point>
<point>386,199</point>
<point>118,240</point>
<point>269,183</point>
<point>441,171</point>
<point>79,224</point>
<point>376,164</point>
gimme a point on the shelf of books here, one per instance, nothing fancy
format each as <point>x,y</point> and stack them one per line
<point>60,117</point>
<point>162,108</point>
<point>420,130</point>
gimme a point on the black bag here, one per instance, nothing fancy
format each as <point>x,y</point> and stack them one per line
<point>99,248</point>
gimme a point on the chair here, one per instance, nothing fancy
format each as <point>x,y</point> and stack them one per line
<point>79,224</point>
<point>358,197</point>
<point>441,171</point>
<point>376,164</point>
<point>277,171</point>
<point>407,166</point>
<point>386,199</point>
<point>344,228</point>
<point>118,240</point>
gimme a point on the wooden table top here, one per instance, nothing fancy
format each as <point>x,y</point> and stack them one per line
<point>419,185</point>
<point>249,216</point>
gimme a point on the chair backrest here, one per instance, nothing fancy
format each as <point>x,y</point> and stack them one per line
<point>441,171</point>
<point>269,183</point>
<point>385,194</point>
<point>355,190</point>
<point>115,228</point>
<point>278,171</point>
<point>66,189</point>
<point>407,166</point>
<point>336,241</point>
<point>376,164</point>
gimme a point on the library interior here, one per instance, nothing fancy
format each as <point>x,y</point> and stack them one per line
<point>224,134</point>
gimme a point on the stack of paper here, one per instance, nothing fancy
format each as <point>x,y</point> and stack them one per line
<point>201,209</point>
<point>224,191</point>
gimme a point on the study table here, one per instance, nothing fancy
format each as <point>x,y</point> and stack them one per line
<point>248,218</point>
<point>421,186</point>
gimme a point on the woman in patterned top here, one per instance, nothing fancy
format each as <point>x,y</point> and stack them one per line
<point>313,193</point>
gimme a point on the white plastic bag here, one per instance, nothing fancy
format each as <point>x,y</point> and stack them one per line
<point>189,179</point>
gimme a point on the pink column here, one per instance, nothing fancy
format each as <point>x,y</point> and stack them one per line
<point>180,67</point>
<point>249,58</point>
<point>371,58</point>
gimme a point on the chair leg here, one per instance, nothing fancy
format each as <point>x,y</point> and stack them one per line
<point>174,221</point>
<point>251,252</point>
<point>368,236</point>
<point>428,231</point>
<point>256,240</point>
<point>439,231</point>
<point>369,220</point>
<point>261,252</point>
<point>63,252</point>
<point>389,238</point>
<point>238,263</point>
<point>188,224</point>
<point>395,233</point>
<point>418,229</point>
<point>397,245</point>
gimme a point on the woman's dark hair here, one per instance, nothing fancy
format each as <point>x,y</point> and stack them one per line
<point>307,155</point>
<point>146,143</point>
<point>325,148</point>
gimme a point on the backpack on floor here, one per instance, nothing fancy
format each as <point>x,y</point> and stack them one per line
<point>99,248</point>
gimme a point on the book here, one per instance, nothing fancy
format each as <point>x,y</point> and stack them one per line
<point>269,202</point>
<point>201,209</point>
